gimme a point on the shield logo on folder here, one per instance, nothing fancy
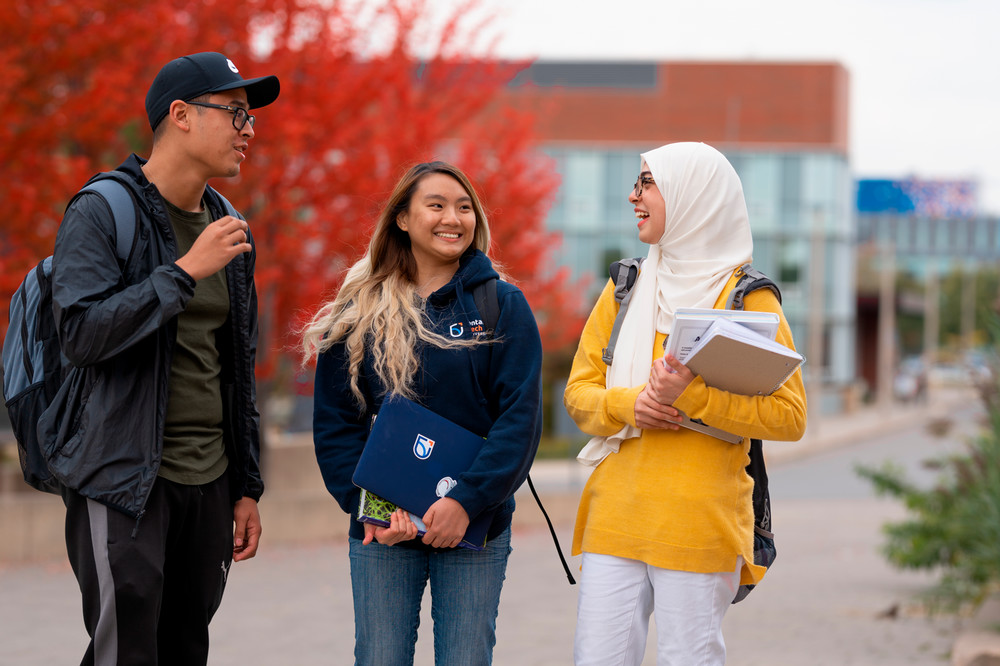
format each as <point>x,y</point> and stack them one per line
<point>422,447</point>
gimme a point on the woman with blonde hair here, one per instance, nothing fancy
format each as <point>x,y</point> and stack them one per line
<point>405,323</point>
<point>665,523</point>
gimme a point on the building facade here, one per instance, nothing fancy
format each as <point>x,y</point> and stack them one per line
<point>784,128</point>
<point>921,231</point>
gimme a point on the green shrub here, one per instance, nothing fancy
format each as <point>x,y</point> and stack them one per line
<point>954,527</point>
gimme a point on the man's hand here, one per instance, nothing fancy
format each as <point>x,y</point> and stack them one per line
<point>215,247</point>
<point>401,528</point>
<point>446,523</point>
<point>246,534</point>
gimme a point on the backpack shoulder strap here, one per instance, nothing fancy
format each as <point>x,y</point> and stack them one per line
<point>227,206</point>
<point>624,273</point>
<point>750,279</point>
<point>488,304</point>
<point>123,210</point>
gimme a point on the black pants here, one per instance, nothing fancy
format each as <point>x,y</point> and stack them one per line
<point>150,587</point>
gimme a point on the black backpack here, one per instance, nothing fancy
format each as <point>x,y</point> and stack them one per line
<point>33,365</point>
<point>624,274</point>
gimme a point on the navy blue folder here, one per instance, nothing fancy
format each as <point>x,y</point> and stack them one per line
<point>412,458</point>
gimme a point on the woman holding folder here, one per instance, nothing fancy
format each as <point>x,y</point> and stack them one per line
<point>665,523</point>
<point>405,323</point>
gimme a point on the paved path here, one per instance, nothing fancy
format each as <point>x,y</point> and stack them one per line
<point>292,606</point>
<point>820,605</point>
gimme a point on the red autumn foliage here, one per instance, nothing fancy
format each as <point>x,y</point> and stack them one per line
<point>350,119</point>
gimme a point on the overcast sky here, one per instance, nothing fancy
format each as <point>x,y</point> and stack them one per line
<point>924,74</point>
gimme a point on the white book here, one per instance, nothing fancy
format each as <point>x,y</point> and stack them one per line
<point>691,323</point>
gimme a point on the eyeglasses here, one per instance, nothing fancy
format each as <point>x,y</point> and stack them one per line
<point>240,115</point>
<point>640,184</point>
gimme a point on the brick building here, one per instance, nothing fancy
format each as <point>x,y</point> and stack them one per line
<point>783,125</point>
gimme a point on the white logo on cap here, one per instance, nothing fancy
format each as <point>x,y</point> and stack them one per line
<point>232,66</point>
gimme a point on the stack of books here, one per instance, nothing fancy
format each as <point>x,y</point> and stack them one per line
<point>731,350</point>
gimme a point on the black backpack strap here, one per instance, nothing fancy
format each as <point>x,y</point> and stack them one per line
<point>624,273</point>
<point>552,531</point>
<point>750,279</point>
<point>485,296</point>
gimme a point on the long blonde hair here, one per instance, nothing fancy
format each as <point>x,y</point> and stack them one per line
<point>378,303</point>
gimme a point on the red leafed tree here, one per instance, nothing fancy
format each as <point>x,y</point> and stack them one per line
<point>352,116</point>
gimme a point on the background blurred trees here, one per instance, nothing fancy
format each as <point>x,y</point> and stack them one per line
<point>357,107</point>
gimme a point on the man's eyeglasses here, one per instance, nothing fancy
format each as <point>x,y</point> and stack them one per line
<point>640,184</point>
<point>240,115</point>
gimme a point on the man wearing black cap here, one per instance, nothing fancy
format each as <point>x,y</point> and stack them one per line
<point>156,438</point>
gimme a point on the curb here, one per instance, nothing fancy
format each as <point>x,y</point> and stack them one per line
<point>979,644</point>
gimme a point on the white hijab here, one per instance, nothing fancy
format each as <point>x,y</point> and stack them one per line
<point>706,237</point>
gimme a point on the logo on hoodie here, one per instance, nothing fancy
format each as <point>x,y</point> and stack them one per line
<point>456,330</point>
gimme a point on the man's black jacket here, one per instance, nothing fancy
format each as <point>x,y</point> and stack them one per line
<point>103,434</point>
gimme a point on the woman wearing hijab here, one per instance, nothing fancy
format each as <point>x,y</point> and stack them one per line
<point>405,323</point>
<point>665,523</point>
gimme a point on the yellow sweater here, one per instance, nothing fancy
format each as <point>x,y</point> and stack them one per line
<point>679,499</point>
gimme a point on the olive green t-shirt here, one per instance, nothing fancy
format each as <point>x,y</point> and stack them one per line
<point>193,448</point>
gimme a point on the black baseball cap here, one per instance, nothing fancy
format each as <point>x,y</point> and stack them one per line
<point>190,76</point>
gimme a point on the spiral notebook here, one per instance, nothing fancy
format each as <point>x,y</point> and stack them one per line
<point>412,458</point>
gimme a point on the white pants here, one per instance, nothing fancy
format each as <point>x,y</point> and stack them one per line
<point>617,596</point>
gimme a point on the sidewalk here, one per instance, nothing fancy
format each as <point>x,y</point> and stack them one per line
<point>292,604</point>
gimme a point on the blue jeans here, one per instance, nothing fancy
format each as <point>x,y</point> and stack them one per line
<point>388,583</point>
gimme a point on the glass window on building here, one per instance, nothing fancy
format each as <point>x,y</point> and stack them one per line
<point>761,178</point>
<point>764,258</point>
<point>942,235</point>
<point>556,219</point>
<point>960,236</point>
<point>921,235</point>
<point>904,235</point>
<point>982,235</point>
<point>620,172</point>
<point>819,185</point>
<point>582,185</point>
<point>791,192</point>
<point>792,259</point>
<point>883,230</point>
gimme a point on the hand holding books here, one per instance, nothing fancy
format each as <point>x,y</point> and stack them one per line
<point>411,461</point>
<point>732,350</point>
<point>400,525</point>
<point>654,406</point>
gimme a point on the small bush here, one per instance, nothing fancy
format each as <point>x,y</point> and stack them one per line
<point>953,527</point>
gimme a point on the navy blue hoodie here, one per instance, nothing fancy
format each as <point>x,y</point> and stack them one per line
<point>493,390</point>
